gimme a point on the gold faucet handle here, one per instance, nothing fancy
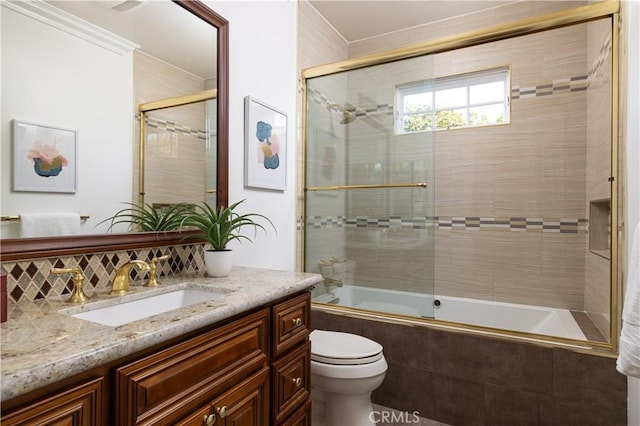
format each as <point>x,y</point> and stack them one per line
<point>153,281</point>
<point>77,294</point>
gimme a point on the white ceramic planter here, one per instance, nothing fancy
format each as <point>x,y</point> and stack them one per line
<point>218,263</point>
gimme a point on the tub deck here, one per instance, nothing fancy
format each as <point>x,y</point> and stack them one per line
<point>485,313</point>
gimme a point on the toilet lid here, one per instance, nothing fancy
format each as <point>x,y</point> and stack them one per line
<point>333,347</point>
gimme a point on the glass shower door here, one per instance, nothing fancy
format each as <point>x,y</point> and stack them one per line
<point>180,154</point>
<point>369,193</point>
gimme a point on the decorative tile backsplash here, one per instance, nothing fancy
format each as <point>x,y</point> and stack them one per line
<point>32,279</point>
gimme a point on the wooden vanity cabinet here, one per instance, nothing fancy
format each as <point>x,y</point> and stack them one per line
<point>170,385</point>
<point>80,405</point>
<point>253,370</point>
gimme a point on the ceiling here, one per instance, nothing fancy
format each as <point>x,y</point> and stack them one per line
<point>161,29</point>
<point>360,19</point>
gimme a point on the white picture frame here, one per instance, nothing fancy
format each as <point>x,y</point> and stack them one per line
<point>265,136</point>
<point>45,158</point>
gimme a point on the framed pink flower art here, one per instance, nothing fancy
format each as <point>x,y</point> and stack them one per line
<point>44,158</point>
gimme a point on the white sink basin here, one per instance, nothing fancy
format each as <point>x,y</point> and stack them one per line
<point>134,310</point>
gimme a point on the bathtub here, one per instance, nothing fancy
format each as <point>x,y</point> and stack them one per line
<point>484,313</point>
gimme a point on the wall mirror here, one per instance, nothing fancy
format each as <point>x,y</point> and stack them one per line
<point>192,32</point>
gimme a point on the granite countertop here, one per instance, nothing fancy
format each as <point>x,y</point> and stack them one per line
<point>41,345</point>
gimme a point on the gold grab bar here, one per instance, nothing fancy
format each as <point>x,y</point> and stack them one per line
<point>17,217</point>
<point>343,187</point>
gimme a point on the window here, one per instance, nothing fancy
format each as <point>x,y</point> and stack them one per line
<point>476,99</point>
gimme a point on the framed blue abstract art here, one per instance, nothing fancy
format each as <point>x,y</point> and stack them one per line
<point>265,135</point>
<point>45,158</point>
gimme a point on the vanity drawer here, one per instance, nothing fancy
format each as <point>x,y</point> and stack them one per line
<point>291,381</point>
<point>79,406</point>
<point>291,323</point>
<point>184,376</point>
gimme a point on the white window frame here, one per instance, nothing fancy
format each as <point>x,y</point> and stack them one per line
<point>452,82</point>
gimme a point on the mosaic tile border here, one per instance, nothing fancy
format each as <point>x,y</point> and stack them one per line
<point>558,86</point>
<point>468,223</point>
<point>562,85</point>
<point>600,61</point>
<point>32,280</point>
<point>571,84</point>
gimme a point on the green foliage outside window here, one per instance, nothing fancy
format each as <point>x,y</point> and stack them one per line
<point>445,119</point>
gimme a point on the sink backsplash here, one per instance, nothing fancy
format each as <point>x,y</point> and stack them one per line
<point>32,280</point>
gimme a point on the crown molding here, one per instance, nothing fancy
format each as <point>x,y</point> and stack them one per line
<point>62,20</point>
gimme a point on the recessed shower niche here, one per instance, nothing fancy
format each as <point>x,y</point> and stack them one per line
<point>600,227</point>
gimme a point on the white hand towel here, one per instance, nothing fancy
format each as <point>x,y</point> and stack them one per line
<point>49,224</point>
<point>629,350</point>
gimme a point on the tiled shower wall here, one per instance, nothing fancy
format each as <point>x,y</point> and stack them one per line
<point>31,279</point>
<point>176,137</point>
<point>532,168</point>
<point>319,44</point>
<point>597,296</point>
<point>510,201</point>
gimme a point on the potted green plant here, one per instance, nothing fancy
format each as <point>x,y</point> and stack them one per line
<point>218,228</point>
<point>147,218</point>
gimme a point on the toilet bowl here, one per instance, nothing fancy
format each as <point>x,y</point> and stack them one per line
<point>345,369</point>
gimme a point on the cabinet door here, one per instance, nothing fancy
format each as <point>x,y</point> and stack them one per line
<point>246,404</point>
<point>291,377</point>
<point>78,406</point>
<point>202,417</point>
<point>163,387</point>
<point>301,417</point>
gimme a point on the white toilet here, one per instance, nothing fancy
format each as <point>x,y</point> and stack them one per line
<point>345,369</point>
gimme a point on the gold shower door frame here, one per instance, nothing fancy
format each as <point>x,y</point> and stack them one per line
<point>573,16</point>
<point>146,107</point>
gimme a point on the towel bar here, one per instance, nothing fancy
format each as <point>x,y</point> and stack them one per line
<point>17,217</point>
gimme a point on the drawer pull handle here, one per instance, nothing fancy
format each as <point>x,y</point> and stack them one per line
<point>222,411</point>
<point>297,322</point>
<point>297,382</point>
<point>209,420</point>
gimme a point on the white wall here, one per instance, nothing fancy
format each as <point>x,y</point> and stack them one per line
<point>82,87</point>
<point>262,64</point>
<point>632,18</point>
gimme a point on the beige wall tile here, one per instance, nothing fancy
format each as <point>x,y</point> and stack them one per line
<point>175,167</point>
<point>538,166</point>
<point>318,42</point>
<point>598,158</point>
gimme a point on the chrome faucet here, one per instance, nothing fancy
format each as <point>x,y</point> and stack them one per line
<point>122,281</point>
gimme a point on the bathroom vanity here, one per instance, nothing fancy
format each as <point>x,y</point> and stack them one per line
<point>240,358</point>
